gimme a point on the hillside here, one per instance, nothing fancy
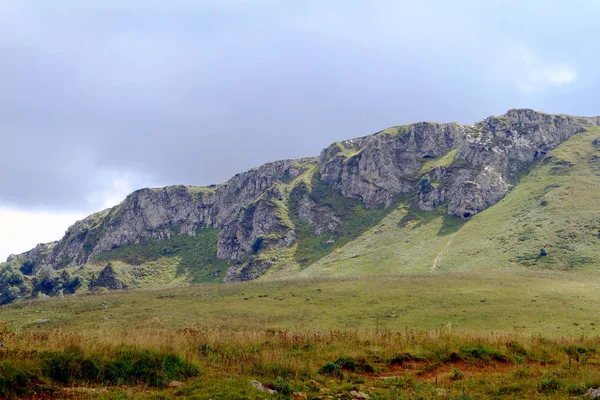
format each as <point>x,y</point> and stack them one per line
<point>553,207</point>
<point>508,191</point>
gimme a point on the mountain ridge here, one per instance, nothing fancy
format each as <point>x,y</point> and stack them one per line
<point>285,214</point>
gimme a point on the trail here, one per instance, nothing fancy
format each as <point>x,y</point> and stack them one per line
<point>437,258</point>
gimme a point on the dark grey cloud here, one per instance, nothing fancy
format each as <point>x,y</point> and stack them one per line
<point>195,91</point>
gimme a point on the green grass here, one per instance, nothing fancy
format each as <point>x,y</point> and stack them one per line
<point>406,240</point>
<point>193,257</point>
<point>444,161</point>
<point>553,208</point>
<point>355,220</point>
<point>505,334</point>
<point>400,130</point>
<point>551,302</point>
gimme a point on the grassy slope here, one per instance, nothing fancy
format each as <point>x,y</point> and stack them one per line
<point>355,220</point>
<point>552,302</point>
<point>309,248</point>
<point>554,208</point>
<point>182,259</point>
<point>530,340</point>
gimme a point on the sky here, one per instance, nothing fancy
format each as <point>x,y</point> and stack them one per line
<point>102,97</point>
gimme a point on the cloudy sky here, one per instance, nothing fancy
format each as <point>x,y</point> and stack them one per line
<point>101,97</point>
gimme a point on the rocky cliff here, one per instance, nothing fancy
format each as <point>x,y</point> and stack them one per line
<point>465,168</point>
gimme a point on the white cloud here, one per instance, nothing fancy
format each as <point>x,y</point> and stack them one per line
<point>110,197</point>
<point>113,186</point>
<point>22,230</point>
<point>534,74</point>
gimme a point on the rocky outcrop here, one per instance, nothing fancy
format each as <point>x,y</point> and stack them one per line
<point>320,218</point>
<point>489,156</point>
<point>465,168</point>
<point>258,226</point>
<point>107,279</point>
<point>386,163</point>
<point>242,208</point>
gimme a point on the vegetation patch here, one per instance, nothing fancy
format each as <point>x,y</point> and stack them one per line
<point>445,161</point>
<point>195,256</point>
<point>355,218</point>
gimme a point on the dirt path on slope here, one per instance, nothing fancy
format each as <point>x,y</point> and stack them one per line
<point>437,258</point>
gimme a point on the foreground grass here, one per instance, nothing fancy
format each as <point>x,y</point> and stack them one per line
<point>305,364</point>
<point>504,334</point>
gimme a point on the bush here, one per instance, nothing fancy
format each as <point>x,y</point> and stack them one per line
<point>282,386</point>
<point>70,366</point>
<point>479,352</point>
<point>70,283</point>
<point>47,282</point>
<point>346,363</point>
<point>127,366</point>
<point>257,245</point>
<point>12,284</point>
<point>331,369</point>
<point>15,380</point>
<point>425,183</point>
<point>364,366</point>
<point>400,359</point>
<point>27,267</point>
<point>51,283</point>
<point>549,385</point>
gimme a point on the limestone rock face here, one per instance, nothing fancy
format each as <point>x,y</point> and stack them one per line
<point>320,218</point>
<point>489,155</point>
<point>256,222</point>
<point>465,168</point>
<point>385,164</point>
<point>431,198</point>
<point>498,149</point>
<point>243,208</point>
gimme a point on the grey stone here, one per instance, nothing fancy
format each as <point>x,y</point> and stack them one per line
<point>261,388</point>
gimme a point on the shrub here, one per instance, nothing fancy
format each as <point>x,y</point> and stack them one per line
<point>12,284</point>
<point>549,385</point>
<point>282,386</point>
<point>70,366</point>
<point>27,267</point>
<point>542,253</point>
<point>256,246</point>
<point>400,359</point>
<point>479,352</point>
<point>346,363</point>
<point>364,366</point>
<point>425,183</point>
<point>51,283</point>
<point>127,366</point>
<point>456,375</point>
<point>47,282</point>
<point>331,369</point>
<point>70,283</point>
<point>16,380</point>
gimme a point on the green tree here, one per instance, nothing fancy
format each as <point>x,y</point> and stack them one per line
<point>12,284</point>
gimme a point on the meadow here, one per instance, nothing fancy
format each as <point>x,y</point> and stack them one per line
<point>456,335</point>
